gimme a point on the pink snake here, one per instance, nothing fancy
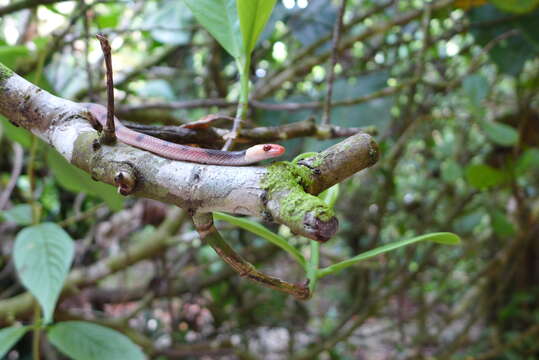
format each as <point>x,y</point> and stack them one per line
<point>179,152</point>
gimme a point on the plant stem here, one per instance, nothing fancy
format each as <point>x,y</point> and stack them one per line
<point>36,331</point>
<point>312,267</point>
<point>241,113</point>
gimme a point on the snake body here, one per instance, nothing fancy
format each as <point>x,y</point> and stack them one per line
<point>179,152</point>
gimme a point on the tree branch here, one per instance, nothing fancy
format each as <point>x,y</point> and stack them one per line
<point>275,193</point>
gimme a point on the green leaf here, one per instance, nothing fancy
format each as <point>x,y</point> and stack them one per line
<point>253,14</point>
<point>511,54</point>
<point>483,176</point>
<point>20,214</point>
<point>14,56</point>
<point>220,18</point>
<point>9,337</point>
<point>468,222</point>
<point>263,232</point>
<point>76,180</point>
<point>528,26</point>
<point>528,161</point>
<point>158,88</point>
<point>501,224</point>
<point>110,16</point>
<point>500,133</point>
<point>476,89</point>
<point>43,254</point>
<point>167,22</point>
<point>81,340</point>
<point>15,133</point>
<point>451,171</point>
<point>445,238</point>
<point>516,6</point>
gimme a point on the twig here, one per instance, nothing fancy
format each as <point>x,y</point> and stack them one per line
<point>149,62</point>
<point>81,215</point>
<point>291,106</point>
<point>275,81</point>
<point>108,136</point>
<point>207,231</point>
<point>530,333</point>
<point>212,137</point>
<point>331,71</point>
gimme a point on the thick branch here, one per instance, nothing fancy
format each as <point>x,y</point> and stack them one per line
<point>338,162</point>
<point>273,193</point>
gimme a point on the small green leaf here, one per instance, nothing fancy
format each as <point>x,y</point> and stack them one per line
<point>528,161</point>
<point>220,18</point>
<point>15,133</point>
<point>263,232</point>
<point>110,16</point>
<point>445,238</point>
<point>451,171</point>
<point>13,56</point>
<point>468,222</point>
<point>476,89</point>
<point>76,180</point>
<point>43,254</point>
<point>253,14</point>
<point>501,224</point>
<point>499,133</point>
<point>167,22</point>
<point>82,340</point>
<point>158,88</point>
<point>482,176</point>
<point>20,214</point>
<point>516,6</point>
<point>9,337</point>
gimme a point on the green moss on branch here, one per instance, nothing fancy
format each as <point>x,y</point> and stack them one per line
<point>287,182</point>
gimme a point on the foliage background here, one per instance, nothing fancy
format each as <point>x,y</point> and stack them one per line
<point>452,92</point>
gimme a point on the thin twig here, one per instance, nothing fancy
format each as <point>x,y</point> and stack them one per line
<point>207,231</point>
<point>109,136</point>
<point>212,137</point>
<point>291,106</point>
<point>331,71</point>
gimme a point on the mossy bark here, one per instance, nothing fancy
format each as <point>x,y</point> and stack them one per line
<point>305,214</point>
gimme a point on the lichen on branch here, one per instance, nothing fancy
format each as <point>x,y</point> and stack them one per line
<point>305,214</point>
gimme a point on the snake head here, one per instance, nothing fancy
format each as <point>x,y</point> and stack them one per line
<point>263,151</point>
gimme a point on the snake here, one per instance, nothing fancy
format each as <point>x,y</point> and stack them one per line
<point>179,152</point>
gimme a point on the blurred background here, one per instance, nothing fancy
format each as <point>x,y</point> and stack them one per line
<point>449,88</point>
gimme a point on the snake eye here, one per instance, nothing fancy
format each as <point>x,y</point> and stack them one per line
<point>267,148</point>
